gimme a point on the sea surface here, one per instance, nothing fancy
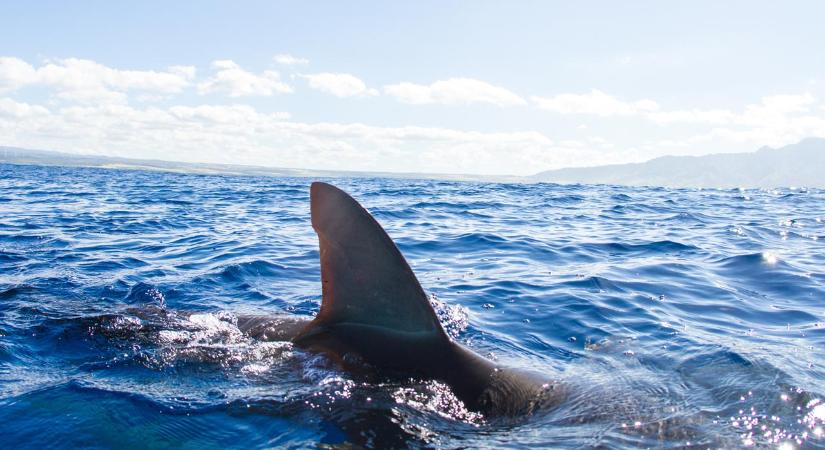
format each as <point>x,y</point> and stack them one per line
<point>678,318</point>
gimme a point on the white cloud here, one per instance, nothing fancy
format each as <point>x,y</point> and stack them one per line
<point>710,116</point>
<point>224,64</point>
<point>594,103</point>
<point>89,110</point>
<point>288,60</point>
<point>240,134</point>
<point>240,114</point>
<point>339,84</point>
<point>187,72</point>
<point>771,110</point>
<point>15,73</point>
<point>454,91</point>
<point>93,95</point>
<point>775,108</point>
<point>82,74</point>
<point>84,80</point>
<point>775,121</point>
<point>12,108</point>
<point>232,80</point>
<point>789,103</point>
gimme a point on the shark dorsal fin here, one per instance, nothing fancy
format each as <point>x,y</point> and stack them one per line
<point>365,279</point>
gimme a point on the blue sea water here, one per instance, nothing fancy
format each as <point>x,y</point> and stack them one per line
<point>679,318</point>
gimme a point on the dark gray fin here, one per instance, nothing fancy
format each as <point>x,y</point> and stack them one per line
<point>364,278</point>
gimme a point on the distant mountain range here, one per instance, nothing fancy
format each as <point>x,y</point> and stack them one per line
<point>801,164</point>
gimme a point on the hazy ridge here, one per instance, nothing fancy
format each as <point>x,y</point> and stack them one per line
<point>801,164</point>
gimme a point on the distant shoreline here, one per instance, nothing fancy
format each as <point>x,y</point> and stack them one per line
<point>22,156</point>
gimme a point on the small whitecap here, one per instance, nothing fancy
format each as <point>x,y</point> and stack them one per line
<point>770,257</point>
<point>174,336</point>
<point>818,412</point>
<point>254,369</point>
<point>454,318</point>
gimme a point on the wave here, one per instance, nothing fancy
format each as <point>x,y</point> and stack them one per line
<point>674,308</point>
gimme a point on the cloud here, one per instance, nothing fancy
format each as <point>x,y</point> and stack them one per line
<point>775,108</point>
<point>770,111</point>
<point>775,121</point>
<point>187,72</point>
<point>233,81</point>
<point>239,114</point>
<point>339,84</point>
<point>12,108</point>
<point>454,91</point>
<point>240,134</point>
<point>84,80</point>
<point>288,60</point>
<point>89,107</point>
<point>93,95</point>
<point>710,116</point>
<point>789,103</point>
<point>594,103</point>
<point>15,73</point>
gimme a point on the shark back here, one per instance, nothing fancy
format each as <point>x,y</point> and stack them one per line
<point>374,309</point>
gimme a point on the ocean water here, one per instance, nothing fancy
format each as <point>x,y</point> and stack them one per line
<point>679,318</point>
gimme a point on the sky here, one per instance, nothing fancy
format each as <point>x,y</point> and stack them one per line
<point>475,87</point>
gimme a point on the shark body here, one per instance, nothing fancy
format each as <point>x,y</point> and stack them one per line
<point>375,316</point>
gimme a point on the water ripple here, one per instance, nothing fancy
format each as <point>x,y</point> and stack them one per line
<point>679,318</point>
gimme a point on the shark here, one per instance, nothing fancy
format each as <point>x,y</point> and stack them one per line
<point>376,318</point>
